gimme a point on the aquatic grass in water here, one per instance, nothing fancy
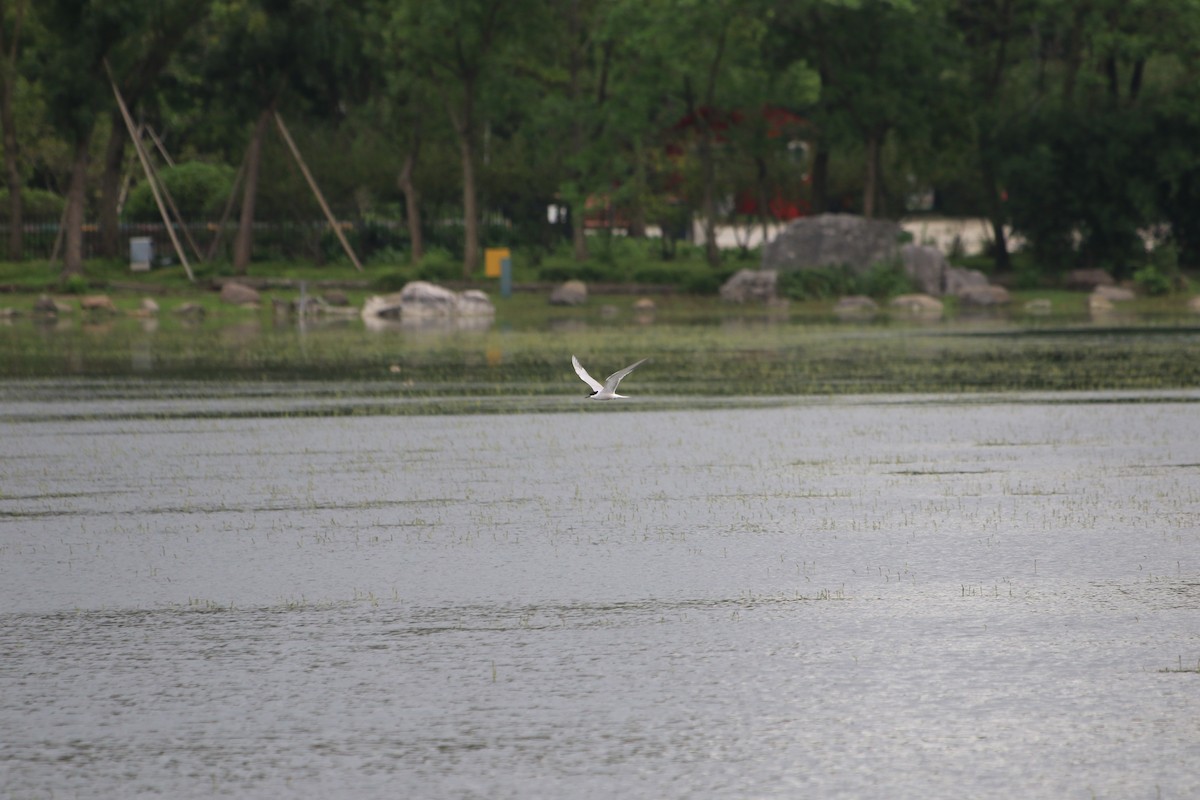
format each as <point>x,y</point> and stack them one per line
<point>723,356</point>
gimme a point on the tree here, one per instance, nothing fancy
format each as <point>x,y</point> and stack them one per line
<point>12,20</point>
<point>264,55</point>
<point>154,34</point>
<point>79,38</point>
<point>463,45</point>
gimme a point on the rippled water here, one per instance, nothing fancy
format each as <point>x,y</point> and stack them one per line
<point>883,597</point>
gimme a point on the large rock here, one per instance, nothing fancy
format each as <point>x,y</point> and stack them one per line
<point>424,300</point>
<point>926,267</point>
<point>474,303</point>
<point>750,284</point>
<point>239,294</point>
<point>830,240</point>
<point>571,293</point>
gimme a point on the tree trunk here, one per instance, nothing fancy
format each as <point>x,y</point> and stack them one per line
<point>579,248</point>
<point>470,211</point>
<point>464,127</point>
<point>820,177</point>
<point>996,216</point>
<point>707,156</point>
<point>637,212</point>
<point>412,198</point>
<point>871,182</point>
<point>73,219</point>
<point>10,42</point>
<point>12,171</point>
<point>244,243</point>
<point>110,188</point>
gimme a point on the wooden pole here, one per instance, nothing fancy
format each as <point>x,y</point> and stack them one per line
<point>312,184</point>
<point>171,200</point>
<point>159,145</point>
<point>215,244</point>
<point>137,145</point>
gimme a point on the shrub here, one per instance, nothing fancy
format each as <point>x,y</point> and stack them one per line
<point>881,280</point>
<point>393,280</point>
<point>885,280</point>
<point>438,264</point>
<point>199,190</point>
<point>37,203</point>
<point>1151,281</point>
<point>75,284</point>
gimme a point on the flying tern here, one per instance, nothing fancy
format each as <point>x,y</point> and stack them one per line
<point>609,390</point>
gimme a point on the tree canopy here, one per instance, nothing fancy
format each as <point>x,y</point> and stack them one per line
<point>1073,124</point>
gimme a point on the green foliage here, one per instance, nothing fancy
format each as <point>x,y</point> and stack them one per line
<point>392,280</point>
<point>1075,123</point>
<point>1151,281</point>
<point>75,284</point>
<point>38,204</point>
<point>823,283</point>
<point>1086,178</point>
<point>199,190</point>
<point>439,265</point>
<point>1161,274</point>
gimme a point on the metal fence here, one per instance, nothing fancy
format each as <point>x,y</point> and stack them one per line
<point>274,240</point>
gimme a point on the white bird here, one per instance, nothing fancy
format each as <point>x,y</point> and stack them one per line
<point>609,390</point>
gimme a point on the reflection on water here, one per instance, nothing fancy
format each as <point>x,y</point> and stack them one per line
<point>816,598</point>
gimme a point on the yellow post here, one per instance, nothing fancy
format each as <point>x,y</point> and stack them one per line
<point>492,259</point>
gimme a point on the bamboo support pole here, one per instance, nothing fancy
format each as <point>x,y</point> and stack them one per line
<point>219,236</point>
<point>171,200</point>
<point>137,145</point>
<point>312,184</point>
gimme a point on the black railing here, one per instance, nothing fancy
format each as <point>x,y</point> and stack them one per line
<point>310,241</point>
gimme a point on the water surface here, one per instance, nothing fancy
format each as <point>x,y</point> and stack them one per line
<point>901,596</point>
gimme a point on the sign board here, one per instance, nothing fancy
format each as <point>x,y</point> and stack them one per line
<point>491,260</point>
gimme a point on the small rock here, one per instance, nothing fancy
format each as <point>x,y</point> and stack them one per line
<point>1099,304</point>
<point>149,305</point>
<point>1087,279</point>
<point>917,304</point>
<point>959,280</point>
<point>337,298</point>
<point>97,303</point>
<point>46,305</point>
<point>190,310</point>
<point>9,313</point>
<point>1115,294</point>
<point>1039,305</point>
<point>644,305</point>
<point>1194,304</point>
<point>571,293</point>
<point>984,296</point>
<point>750,284</point>
<point>856,305</point>
<point>239,294</point>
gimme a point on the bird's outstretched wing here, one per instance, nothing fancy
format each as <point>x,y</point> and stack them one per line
<point>588,379</point>
<point>615,378</point>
